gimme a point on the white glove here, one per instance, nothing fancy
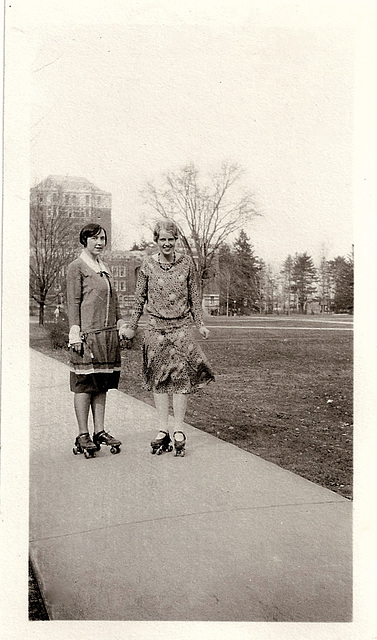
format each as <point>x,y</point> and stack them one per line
<point>126,333</point>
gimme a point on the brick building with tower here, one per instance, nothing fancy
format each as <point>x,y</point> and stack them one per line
<point>77,198</point>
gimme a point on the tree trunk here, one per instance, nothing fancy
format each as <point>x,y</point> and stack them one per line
<point>42,300</point>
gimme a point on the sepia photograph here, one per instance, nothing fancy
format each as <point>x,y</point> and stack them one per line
<point>180,184</point>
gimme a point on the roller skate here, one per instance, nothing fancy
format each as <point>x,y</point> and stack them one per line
<point>161,444</point>
<point>84,444</point>
<point>102,437</point>
<point>179,445</point>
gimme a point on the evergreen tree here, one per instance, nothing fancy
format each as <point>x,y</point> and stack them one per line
<point>245,271</point>
<point>304,278</point>
<point>342,272</point>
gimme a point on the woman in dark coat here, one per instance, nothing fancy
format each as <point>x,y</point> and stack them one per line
<point>94,320</point>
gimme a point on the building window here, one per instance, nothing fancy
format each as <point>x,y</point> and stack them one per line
<point>116,285</point>
<point>122,271</point>
<point>122,285</point>
<point>115,271</point>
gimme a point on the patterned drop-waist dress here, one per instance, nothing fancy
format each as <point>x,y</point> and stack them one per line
<point>93,308</point>
<point>173,362</point>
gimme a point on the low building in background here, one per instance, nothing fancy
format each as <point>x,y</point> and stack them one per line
<point>125,266</point>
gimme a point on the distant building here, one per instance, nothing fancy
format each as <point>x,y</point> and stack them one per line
<point>78,198</point>
<point>125,266</point>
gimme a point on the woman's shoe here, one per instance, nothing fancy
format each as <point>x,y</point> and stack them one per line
<point>102,437</point>
<point>179,445</point>
<point>161,443</point>
<point>84,444</point>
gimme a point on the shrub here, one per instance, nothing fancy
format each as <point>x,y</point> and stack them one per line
<point>58,332</point>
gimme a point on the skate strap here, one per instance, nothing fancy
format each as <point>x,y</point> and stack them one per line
<point>87,333</point>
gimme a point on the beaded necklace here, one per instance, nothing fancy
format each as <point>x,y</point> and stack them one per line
<point>166,266</point>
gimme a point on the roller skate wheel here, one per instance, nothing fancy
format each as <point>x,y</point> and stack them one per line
<point>74,450</point>
<point>159,451</point>
<point>115,449</point>
<point>170,448</point>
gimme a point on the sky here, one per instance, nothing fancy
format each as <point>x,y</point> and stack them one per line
<point>125,101</point>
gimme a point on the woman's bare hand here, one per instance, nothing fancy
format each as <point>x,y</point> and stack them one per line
<point>204,332</point>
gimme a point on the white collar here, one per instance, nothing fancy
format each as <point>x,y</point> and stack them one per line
<point>96,265</point>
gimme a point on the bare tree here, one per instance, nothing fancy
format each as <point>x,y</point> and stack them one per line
<point>206,215</point>
<point>262,284</point>
<point>51,248</point>
<point>287,283</point>
<point>325,286</point>
<point>226,275</point>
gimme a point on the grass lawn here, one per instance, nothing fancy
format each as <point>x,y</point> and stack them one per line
<point>37,609</point>
<point>283,391</point>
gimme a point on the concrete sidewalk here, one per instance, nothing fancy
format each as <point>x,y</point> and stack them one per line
<point>219,535</point>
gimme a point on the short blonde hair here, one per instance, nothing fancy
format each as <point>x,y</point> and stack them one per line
<point>167,224</point>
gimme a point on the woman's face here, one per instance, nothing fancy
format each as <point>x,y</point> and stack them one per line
<point>166,242</point>
<point>96,244</point>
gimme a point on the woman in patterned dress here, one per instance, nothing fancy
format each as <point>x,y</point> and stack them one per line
<point>94,320</point>
<point>173,362</point>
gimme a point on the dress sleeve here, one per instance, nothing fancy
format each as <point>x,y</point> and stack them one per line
<point>193,298</point>
<point>74,295</point>
<point>141,296</point>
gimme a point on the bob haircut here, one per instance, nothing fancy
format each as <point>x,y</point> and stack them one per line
<point>166,224</point>
<point>89,231</point>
